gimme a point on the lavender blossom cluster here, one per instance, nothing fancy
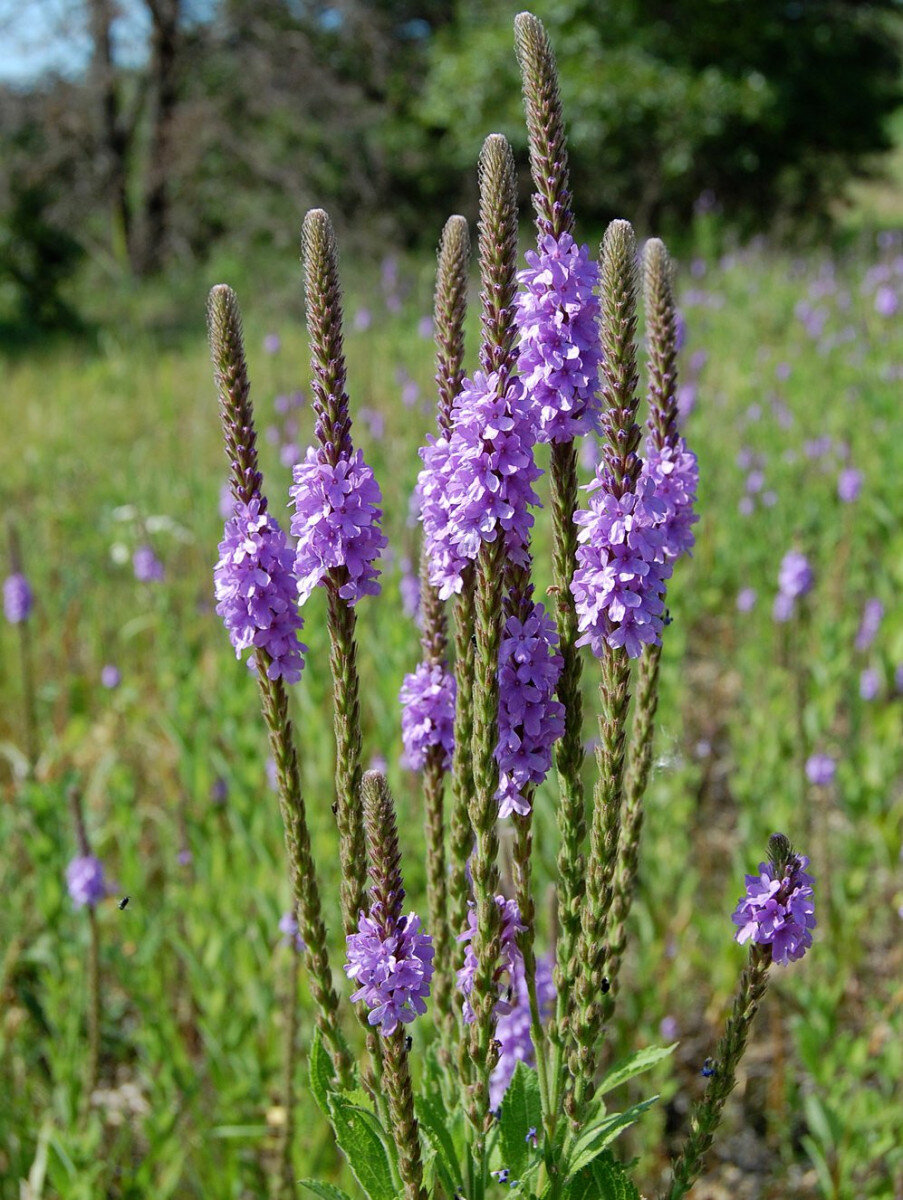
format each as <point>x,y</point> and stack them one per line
<point>619,585</point>
<point>428,714</point>
<point>778,910</point>
<point>336,522</point>
<point>393,966</point>
<point>477,483</point>
<point>255,590</point>
<point>531,720</point>
<point>510,960</point>
<point>557,314</point>
<point>674,470</point>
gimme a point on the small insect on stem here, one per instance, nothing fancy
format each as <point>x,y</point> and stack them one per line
<point>123,903</point>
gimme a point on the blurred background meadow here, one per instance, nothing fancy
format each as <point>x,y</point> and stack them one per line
<point>152,148</point>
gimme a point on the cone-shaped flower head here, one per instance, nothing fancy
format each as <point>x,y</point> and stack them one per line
<point>531,720</point>
<point>778,908</point>
<point>478,483</point>
<point>512,1030</point>
<point>336,498</point>
<point>510,958</point>
<point>17,598</point>
<point>557,316</point>
<point>390,956</point>
<point>255,591</point>
<point>428,714</point>
<point>336,522</point>
<point>85,880</point>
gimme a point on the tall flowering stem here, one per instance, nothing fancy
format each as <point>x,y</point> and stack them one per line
<point>88,895</point>
<point>460,833</point>
<point>498,265</point>
<point>333,433</point>
<point>231,376</point>
<point>776,916</point>
<point>661,341</point>
<point>390,943</point>
<point>554,217</point>
<point>449,313</point>
<point>621,469</point>
<point>18,604</point>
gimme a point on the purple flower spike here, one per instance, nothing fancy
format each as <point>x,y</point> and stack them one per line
<point>146,565</point>
<point>820,769</point>
<point>512,1031</point>
<point>778,910</point>
<point>85,881</point>
<point>428,714</point>
<point>869,684</point>
<point>255,591</point>
<point>796,577</point>
<point>479,480</point>
<point>620,581</point>
<point>531,720</point>
<point>393,967</point>
<point>337,524</point>
<point>872,616</point>
<point>17,598</point>
<point>557,313</point>
<point>849,484</point>
<point>291,935</point>
<point>675,473</point>
<point>510,958</point>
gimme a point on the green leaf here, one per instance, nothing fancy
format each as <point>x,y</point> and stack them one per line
<point>326,1191</point>
<point>634,1064</point>
<point>361,1139</point>
<point>521,1111</point>
<point>434,1119</point>
<point>602,1179</point>
<point>321,1074</point>
<point>599,1133</point>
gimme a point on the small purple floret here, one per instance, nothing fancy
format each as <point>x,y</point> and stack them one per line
<point>778,912</point>
<point>110,676</point>
<point>17,598</point>
<point>393,967</point>
<point>336,522</point>
<point>255,591</point>
<point>428,714</point>
<point>85,881</point>
<point>557,313</point>
<point>531,720</point>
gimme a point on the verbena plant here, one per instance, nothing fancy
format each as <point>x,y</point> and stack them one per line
<point>510,1093</point>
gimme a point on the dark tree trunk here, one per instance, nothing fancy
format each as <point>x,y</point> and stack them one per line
<point>164,84</point>
<point>115,130</point>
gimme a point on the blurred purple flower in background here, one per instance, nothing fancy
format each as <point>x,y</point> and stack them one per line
<point>17,598</point>
<point>219,791</point>
<point>226,502</point>
<point>849,484</point>
<point>746,599</point>
<point>887,302</point>
<point>272,343</point>
<point>146,565</point>
<point>872,615</point>
<point>110,676</point>
<point>869,683</point>
<point>795,579</point>
<point>820,769</point>
<point>85,881</point>
<point>363,319</point>
<point>512,1030</point>
<point>291,935</point>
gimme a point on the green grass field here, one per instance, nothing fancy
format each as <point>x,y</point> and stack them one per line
<point>116,445</point>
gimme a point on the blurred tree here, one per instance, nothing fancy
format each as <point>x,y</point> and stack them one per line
<point>759,109</point>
